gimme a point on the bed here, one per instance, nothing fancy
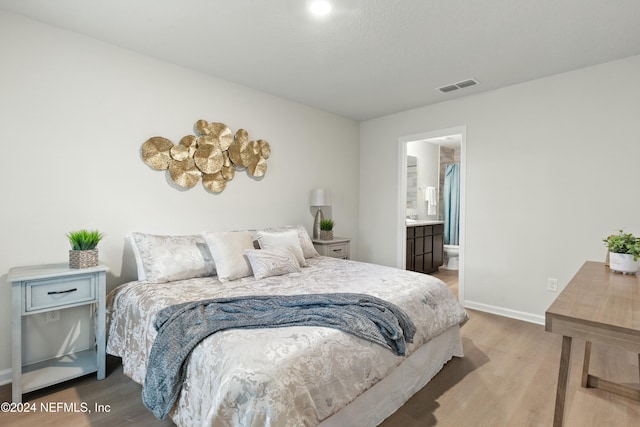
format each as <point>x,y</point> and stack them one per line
<point>293,376</point>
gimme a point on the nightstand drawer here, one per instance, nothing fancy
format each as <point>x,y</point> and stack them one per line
<point>44,294</point>
<point>337,250</point>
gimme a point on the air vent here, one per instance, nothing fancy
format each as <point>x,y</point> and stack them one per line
<point>459,85</point>
<point>466,83</point>
<point>448,88</point>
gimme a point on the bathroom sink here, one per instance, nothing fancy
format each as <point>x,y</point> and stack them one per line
<point>409,221</point>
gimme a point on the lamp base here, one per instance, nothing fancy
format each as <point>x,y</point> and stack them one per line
<point>316,224</point>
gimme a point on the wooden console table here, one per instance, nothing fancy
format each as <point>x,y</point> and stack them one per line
<point>600,306</point>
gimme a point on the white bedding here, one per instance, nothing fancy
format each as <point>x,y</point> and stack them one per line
<point>297,376</point>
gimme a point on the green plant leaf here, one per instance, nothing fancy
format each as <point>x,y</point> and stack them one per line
<point>326,224</point>
<point>623,243</point>
<point>83,240</point>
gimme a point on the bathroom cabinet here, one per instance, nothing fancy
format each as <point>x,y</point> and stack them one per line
<point>425,247</point>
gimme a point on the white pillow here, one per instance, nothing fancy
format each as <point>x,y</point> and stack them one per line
<point>227,249</point>
<point>282,239</point>
<point>272,262</point>
<point>168,258</point>
<point>306,244</point>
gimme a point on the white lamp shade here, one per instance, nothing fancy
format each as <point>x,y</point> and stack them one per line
<point>320,197</point>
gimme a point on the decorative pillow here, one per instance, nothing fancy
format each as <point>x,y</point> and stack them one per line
<point>272,262</point>
<point>308,250</point>
<point>282,239</point>
<point>227,248</point>
<point>169,258</point>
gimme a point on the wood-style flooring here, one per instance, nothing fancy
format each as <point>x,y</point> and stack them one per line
<point>507,378</point>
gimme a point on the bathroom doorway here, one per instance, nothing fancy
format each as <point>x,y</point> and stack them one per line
<point>434,163</point>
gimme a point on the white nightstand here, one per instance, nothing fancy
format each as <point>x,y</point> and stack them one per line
<point>336,248</point>
<point>44,288</point>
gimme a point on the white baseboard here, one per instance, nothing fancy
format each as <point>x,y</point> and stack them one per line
<point>505,312</point>
<point>5,376</point>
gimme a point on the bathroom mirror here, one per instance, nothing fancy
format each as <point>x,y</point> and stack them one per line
<point>412,182</point>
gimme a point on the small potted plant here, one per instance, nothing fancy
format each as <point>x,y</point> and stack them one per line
<point>84,253</point>
<point>326,229</point>
<point>624,251</point>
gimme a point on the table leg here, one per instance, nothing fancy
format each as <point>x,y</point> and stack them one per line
<point>101,331</point>
<point>563,376</point>
<point>16,348</point>
<point>585,365</point>
<point>591,381</point>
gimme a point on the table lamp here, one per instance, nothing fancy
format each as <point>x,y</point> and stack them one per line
<point>319,198</point>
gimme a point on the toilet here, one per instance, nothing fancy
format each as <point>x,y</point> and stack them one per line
<point>451,253</point>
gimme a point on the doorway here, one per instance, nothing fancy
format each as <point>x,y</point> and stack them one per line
<point>451,144</point>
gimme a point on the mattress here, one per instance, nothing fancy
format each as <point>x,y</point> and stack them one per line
<point>295,376</point>
<point>388,395</point>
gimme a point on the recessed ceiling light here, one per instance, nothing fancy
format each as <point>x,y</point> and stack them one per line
<point>320,7</point>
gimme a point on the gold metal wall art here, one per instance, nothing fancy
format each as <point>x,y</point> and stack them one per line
<point>156,152</point>
<point>214,154</point>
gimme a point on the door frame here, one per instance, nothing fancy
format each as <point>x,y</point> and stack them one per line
<point>402,196</point>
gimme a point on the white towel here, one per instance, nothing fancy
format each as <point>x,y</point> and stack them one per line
<point>430,195</point>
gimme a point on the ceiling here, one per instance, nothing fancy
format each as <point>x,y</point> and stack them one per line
<point>368,58</point>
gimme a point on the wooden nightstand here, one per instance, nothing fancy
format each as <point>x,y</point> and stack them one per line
<point>45,288</point>
<point>336,248</point>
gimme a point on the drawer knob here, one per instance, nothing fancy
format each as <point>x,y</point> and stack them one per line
<point>62,292</point>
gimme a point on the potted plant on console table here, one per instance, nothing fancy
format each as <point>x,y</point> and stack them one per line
<point>624,251</point>
<point>84,253</point>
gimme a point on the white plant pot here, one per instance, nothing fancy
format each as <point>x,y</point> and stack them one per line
<point>623,263</point>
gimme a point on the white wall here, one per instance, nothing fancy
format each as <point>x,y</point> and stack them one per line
<point>552,168</point>
<point>74,113</point>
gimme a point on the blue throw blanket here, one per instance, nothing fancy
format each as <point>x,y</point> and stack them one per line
<point>182,326</point>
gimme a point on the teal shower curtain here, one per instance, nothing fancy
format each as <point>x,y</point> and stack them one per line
<point>451,204</point>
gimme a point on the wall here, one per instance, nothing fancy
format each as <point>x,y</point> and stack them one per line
<point>551,169</point>
<point>74,114</point>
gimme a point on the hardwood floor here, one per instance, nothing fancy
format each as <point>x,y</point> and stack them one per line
<point>507,378</point>
<point>118,391</point>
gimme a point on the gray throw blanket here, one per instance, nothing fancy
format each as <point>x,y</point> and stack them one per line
<point>182,326</point>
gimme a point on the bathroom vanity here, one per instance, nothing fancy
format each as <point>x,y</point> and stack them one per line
<point>425,245</point>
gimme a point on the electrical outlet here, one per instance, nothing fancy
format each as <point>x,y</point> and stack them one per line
<point>552,285</point>
<point>52,316</point>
